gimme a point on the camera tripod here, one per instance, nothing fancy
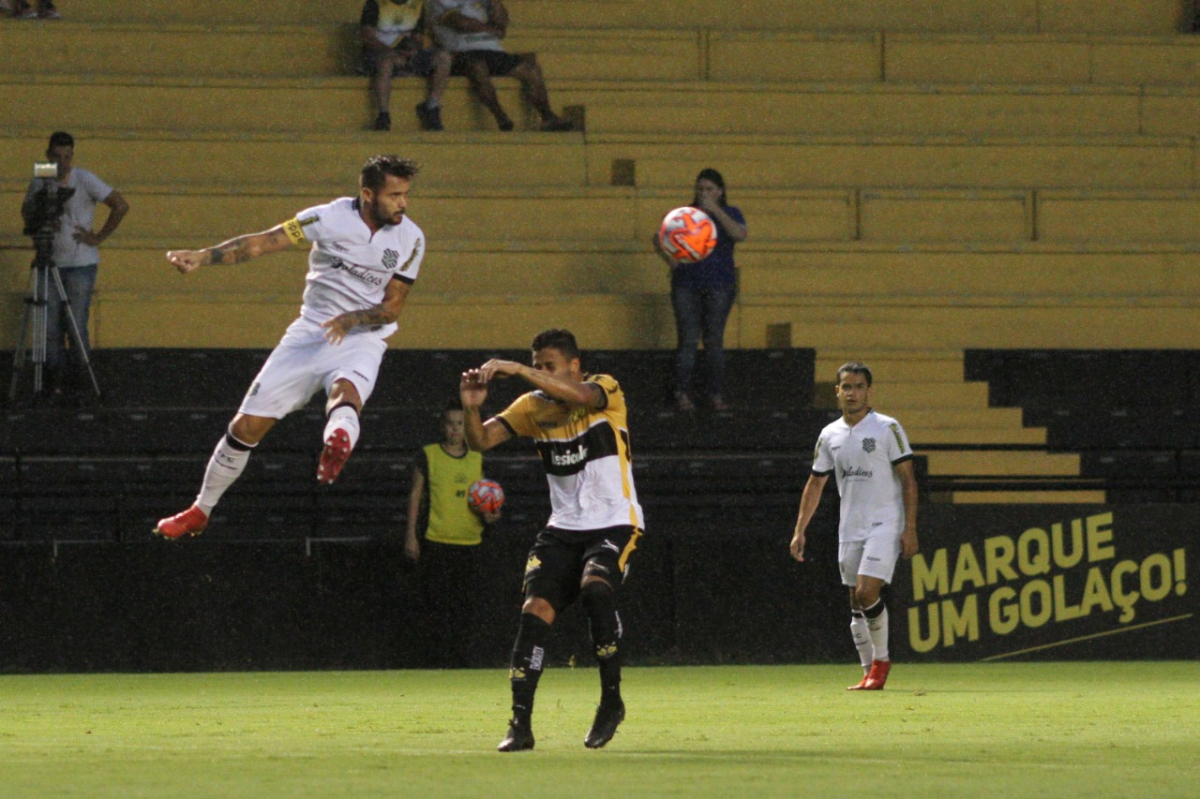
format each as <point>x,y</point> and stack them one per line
<point>44,273</point>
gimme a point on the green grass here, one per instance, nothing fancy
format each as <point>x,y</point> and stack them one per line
<point>1079,729</point>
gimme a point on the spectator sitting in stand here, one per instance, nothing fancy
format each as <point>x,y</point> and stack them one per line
<point>392,33</point>
<point>472,30</point>
<point>21,9</point>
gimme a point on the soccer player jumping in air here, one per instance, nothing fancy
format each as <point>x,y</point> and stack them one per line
<point>873,461</point>
<point>364,259</point>
<point>578,423</point>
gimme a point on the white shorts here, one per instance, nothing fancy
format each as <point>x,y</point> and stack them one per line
<point>304,361</point>
<point>873,556</point>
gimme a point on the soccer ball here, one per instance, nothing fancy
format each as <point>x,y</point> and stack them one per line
<point>485,496</point>
<point>687,235</point>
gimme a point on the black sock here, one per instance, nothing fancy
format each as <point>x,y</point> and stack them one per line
<point>600,603</point>
<point>526,668</point>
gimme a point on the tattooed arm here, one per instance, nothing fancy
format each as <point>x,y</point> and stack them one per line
<point>234,251</point>
<point>384,313</point>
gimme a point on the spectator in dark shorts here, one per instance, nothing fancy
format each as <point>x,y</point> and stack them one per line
<point>472,30</point>
<point>393,35</point>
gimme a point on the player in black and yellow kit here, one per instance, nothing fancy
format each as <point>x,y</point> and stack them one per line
<point>578,423</point>
<point>449,554</point>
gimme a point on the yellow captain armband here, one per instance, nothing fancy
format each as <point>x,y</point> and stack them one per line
<point>294,228</point>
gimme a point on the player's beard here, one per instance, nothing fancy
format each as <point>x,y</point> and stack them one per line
<point>381,219</point>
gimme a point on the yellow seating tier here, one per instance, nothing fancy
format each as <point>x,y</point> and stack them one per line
<point>692,108</point>
<point>620,216</point>
<point>246,161</point>
<point>1030,16</point>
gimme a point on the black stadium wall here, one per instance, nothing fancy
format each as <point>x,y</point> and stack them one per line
<point>991,582</point>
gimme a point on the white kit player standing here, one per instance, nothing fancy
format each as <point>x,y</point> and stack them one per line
<point>365,255</point>
<point>870,454</point>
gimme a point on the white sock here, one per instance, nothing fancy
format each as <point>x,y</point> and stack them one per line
<point>860,631</point>
<point>878,626</point>
<point>343,417</point>
<point>224,468</point>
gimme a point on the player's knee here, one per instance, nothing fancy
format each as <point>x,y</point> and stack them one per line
<point>539,607</point>
<point>865,596</point>
<point>249,430</point>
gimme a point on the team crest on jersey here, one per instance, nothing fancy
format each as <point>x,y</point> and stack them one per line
<point>868,444</point>
<point>390,259</point>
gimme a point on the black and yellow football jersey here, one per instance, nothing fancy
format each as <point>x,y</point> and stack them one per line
<point>587,456</point>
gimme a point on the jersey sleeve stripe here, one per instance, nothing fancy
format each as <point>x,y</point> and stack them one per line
<point>902,459</point>
<point>822,474</point>
<point>507,426</point>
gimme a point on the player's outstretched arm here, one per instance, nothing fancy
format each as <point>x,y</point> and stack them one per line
<point>386,312</point>
<point>234,251</point>
<point>908,487</point>
<point>809,500</point>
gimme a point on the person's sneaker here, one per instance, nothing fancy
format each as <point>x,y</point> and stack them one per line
<point>22,10</point>
<point>860,684</point>
<point>718,403</point>
<point>430,118</point>
<point>383,121</point>
<point>608,718</point>
<point>48,11</point>
<point>191,522</point>
<point>878,675</point>
<point>505,124</point>
<point>557,125</point>
<point>333,457</point>
<point>519,738</point>
<point>683,402</point>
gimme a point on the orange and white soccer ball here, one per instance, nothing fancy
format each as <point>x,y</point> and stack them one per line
<point>687,235</point>
<point>485,496</point>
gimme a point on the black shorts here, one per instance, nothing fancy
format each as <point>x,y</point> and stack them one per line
<point>498,63</point>
<point>561,558</point>
<point>419,66</point>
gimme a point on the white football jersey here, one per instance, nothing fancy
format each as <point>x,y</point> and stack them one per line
<point>862,458</point>
<point>457,41</point>
<point>348,268</point>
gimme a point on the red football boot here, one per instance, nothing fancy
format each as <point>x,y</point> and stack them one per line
<point>878,675</point>
<point>191,522</point>
<point>333,457</point>
<point>861,683</point>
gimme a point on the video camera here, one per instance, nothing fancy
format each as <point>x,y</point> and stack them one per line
<point>50,202</point>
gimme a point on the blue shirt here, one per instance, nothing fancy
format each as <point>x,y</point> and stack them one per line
<point>718,268</point>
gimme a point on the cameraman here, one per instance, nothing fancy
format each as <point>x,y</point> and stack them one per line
<point>74,245</point>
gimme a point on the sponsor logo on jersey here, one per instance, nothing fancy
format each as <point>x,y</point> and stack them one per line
<point>578,455</point>
<point>254,388</point>
<point>337,245</point>
<point>856,471</point>
<point>868,445</point>
<point>358,272</point>
<point>533,564</point>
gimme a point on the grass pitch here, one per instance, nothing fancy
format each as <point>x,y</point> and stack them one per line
<point>1078,729</point>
